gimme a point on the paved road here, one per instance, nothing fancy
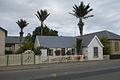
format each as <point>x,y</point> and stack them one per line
<point>98,70</point>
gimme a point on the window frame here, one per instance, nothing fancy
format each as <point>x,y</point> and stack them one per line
<point>95,51</point>
<point>116,46</point>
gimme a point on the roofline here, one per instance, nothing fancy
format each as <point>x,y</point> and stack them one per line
<point>58,36</point>
<point>95,32</point>
<point>4,30</point>
<point>15,36</point>
<point>98,32</point>
<point>97,40</point>
<point>113,39</point>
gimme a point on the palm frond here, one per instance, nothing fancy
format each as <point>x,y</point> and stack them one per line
<point>22,23</point>
<point>42,15</point>
<point>88,16</point>
<point>80,11</point>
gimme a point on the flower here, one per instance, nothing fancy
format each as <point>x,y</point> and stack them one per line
<point>69,57</point>
<point>78,57</point>
<point>28,52</point>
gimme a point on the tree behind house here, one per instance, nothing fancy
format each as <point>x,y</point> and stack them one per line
<point>22,24</point>
<point>106,44</point>
<point>42,15</point>
<point>46,32</point>
<point>81,12</point>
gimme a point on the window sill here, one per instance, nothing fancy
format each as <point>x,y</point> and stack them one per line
<point>95,57</point>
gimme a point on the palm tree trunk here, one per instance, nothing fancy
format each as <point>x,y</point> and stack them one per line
<point>81,24</point>
<point>21,37</point>
<point>41,28</point>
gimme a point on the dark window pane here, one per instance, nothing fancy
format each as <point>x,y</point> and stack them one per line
<point>96,51</point>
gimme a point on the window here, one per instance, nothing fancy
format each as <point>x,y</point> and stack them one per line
<point>96,51</point>
<point>73,51</point>
<point>50,52</point>
<point>116,46</point>
<point>63,51</point>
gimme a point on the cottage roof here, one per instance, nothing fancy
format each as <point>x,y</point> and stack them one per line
<point>13,40</point>
<point>4,30</point>
<point>105,33</point>
<point>86,39</point>
<point>57,41</point>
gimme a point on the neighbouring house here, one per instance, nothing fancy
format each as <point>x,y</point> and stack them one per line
<point>92,47</point>
<point>113,38</point>
<point>12,43</point>
<point>3,34</point>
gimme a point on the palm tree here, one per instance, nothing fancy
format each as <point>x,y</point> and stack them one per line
<point>21,23</point>
<point>81,12</point>
<point>42,15</point>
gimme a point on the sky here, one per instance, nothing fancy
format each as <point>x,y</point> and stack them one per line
<point>106,16</point>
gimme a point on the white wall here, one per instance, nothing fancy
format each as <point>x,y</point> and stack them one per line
<point>43,52</point>
<point>93,44</point>
<point>85,51</point>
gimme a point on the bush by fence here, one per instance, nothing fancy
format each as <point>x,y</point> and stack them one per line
<point>116,56</point>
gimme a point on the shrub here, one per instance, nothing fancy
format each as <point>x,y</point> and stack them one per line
<point>106,44</point>
<point>68,52</point>
<point>78,42</point>
<point>19,51</point>
<point>37,50</point>
<point>57,52</point>
<point>116,56</point>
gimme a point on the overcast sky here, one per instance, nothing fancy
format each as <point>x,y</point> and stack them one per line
<point>106,15</point>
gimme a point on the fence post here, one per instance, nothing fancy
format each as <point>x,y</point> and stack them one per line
<point>34,58</point>
<point>7,60</point>
<point>21,59</point>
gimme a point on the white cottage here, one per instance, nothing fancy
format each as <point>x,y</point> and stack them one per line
<point>91,46</point>
<point>56,45</point>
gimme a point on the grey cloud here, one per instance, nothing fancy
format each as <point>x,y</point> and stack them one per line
<point>106,15</point>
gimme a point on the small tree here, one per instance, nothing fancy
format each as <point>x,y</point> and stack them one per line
<point>46,32</point>
<point>106,44</point>
<point>37,50</point>
<point>78,42</point>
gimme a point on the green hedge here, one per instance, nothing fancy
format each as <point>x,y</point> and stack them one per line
<point>116,56</point>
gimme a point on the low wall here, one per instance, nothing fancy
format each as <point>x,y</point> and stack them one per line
<point>54,59</point>
<point>106,57</point>
<point>25,59</point>
<point>17,59</point>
